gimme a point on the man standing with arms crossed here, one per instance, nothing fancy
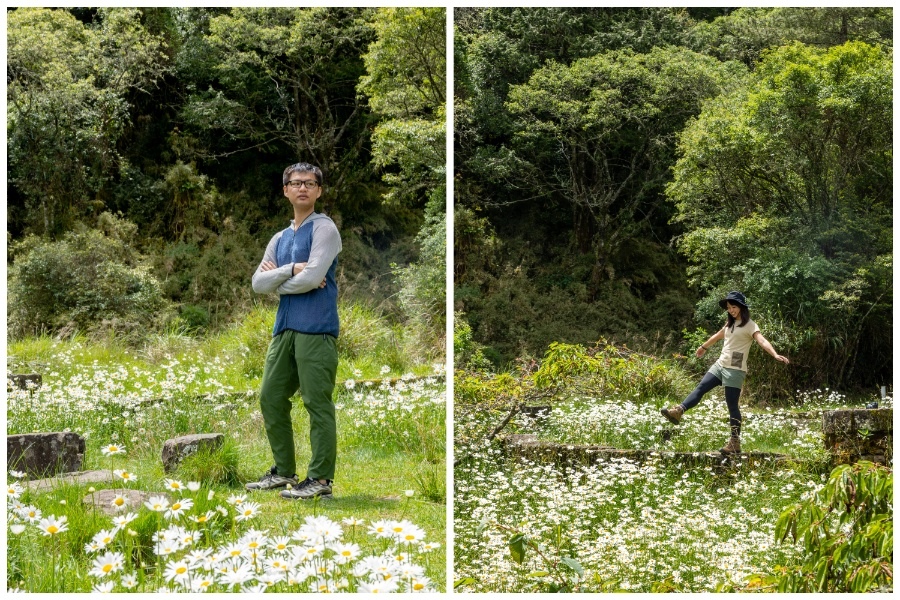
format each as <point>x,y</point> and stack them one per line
<point>299,264</point>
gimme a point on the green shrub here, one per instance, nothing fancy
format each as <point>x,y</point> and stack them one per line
<point>467,353</point>
<point>847,533</point>
<point>607,369</point>
<point>90,281</point>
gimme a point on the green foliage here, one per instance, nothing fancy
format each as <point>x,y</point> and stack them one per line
<point>847,534</point>
<point>598,134</point>
<point>467,353</point>
<point>87,281</point>
<point>784,190</point>
<point>405,66</point>
<point>606,369</point>
<point>405,81</point>
<point>283,80</point>
<point>68,106</point>
<point>745,33</point>
<point>182,119</point>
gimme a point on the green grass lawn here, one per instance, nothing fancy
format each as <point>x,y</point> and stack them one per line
<point>391,470</point>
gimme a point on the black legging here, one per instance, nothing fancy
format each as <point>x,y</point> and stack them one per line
<point>732,394</point>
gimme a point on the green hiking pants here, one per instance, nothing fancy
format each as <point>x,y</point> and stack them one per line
<point>307,362</point>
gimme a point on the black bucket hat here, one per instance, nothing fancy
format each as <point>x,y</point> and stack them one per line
<point>734,298</point>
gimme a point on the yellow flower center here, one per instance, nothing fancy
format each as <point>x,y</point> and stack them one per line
<point>119,501</point>
<point>181,570</point>
<point>176,506</point>
<point>418,586</point>
<point>52,529</point>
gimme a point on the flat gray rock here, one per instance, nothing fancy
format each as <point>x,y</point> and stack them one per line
<point>76,478</point>
<point>102,500</point>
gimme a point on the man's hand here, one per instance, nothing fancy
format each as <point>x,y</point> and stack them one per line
<point>298,267</point>
<point>267,266</point>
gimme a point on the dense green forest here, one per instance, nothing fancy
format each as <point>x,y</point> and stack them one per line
<point>146,147</point>
<point>619,170</point>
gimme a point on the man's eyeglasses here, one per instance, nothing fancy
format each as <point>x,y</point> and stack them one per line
<point>297,184</point>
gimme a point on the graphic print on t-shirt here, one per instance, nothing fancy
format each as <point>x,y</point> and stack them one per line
<point>736,359</point>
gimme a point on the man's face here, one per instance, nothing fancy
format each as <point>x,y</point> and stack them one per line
<point>302,197</point>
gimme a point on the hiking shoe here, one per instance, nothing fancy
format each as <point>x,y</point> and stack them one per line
<point>673,414</point>
<point>309,489</point>
<point>732,447</point>
<point>271,481</point>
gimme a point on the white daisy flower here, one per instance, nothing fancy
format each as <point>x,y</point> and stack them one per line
<point>14,490</point>
<point>112,449</point>
<point>126,476</point>
<point>106,564</point>
<point>122,521</point>
<point>247,511</point>
<point>32,514</point>
<point>157,503</point>
<point>173,485</point>
<point>179,507</point>
<point>52,525</point>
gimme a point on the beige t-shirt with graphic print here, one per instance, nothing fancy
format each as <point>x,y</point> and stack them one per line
<point>737,345</point>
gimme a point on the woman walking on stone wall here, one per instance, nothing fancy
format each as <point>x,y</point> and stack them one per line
<point>731,368</point>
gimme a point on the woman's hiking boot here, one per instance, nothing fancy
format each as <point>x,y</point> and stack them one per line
<point>732,447</point>
<point>673,414</point>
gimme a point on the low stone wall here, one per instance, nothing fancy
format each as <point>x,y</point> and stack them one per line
<point>859,434</point>
<point>568,455</point>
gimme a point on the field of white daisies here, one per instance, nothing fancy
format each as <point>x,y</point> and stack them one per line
<point>620,525</point>
<point>198,529</point>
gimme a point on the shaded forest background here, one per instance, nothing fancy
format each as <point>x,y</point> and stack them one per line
<point>146,148</point>
<point>620,170</point>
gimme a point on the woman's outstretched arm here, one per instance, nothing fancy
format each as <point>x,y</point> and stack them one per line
<point>712,340</point>
<point>767,346</point>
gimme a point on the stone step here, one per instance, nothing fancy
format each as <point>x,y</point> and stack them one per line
<point>529,446</point>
